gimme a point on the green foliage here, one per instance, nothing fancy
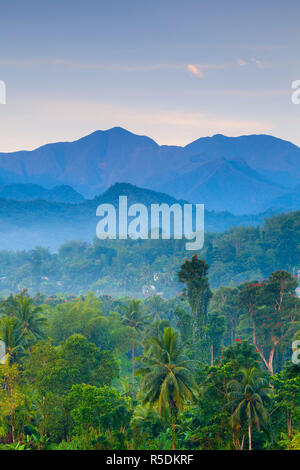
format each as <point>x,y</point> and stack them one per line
<point>273,312</point>
<point>11,398</point>
<point>167,374</point>
<point>69,379</point>
<point>93,407</point>
<point>128,267</point>
<point>21,324</point>
<point>193,274</point>
<point>240,355</point>
<point>247,397</point>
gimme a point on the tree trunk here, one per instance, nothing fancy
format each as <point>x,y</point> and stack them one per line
<point>236,441</point>
<point>173,418</point>
<point>195,327</point>
<point>271,356</point>
<point>249,435</point>
<point>268,363</point>
<point>173,443</point>
<point>133,362</point>
<point>289,425</point>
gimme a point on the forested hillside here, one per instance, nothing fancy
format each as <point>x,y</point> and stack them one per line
<point>142,345</point>
<point>44,222</point>
<point>98,373</point>
<point>139,268</point>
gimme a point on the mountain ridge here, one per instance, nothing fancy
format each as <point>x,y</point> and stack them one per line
<point>30,192</point>
<point>44,223</point>
<point>95,162</point>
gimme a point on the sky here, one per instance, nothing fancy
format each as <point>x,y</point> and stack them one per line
<point>173,70</point>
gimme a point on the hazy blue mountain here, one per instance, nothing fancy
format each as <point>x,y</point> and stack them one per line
<point>225,183</point>
<point>275,158</point>
<point>288,202</point>
<point>236,174</point>
<point>92,163</point>
<point>26,224</point>
<point>29,192</point>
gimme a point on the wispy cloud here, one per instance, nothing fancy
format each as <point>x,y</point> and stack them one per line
<point>241,62</point>
<point>195,70</point>
<point>199,69</point>
<point>261,64</point>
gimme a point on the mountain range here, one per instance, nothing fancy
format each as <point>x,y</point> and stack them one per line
<point>242,175</point>
<point>30,192</point>
<point>27,224</point>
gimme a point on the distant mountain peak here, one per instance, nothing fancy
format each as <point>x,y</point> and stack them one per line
<point>116,133</point>
<point>227,173</point>
<point>218,136</point>
<point>234,139</point>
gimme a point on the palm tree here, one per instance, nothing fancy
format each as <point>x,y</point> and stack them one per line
<point>157,327</point>
<point>246,399</point>
<point>155,304</point>
<point>134,317</point>
<point>24,317</point>
<point>29,319</point>
<point>144,419</point>
<point>11,336</point>
<point>167,376</point>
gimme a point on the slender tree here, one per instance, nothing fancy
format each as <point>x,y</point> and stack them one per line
<point>193,274</point>
<point>29,318</point>
<point>274,312</point>
<point>21,323</point>
<point>247,398</point>
<point>134,317</point>
<point>10,334</point>
<point>168,378</point>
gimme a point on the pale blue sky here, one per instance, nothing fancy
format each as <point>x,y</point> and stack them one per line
<point>173,70</point>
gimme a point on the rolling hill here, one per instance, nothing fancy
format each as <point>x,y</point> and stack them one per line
<point>27,224</point>
<point>30,192</point>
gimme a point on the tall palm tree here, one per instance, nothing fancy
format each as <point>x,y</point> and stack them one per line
<point>134,317</point>
<point>11,336</point>
<point>247,397</point>
<point>167,376</point>
<point>29,318</point>
<point>157,327</point>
